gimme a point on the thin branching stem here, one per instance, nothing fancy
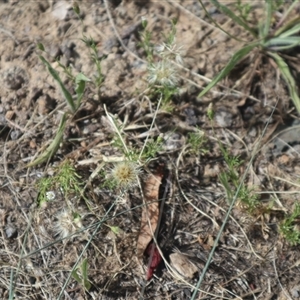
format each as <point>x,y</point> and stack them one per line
<point>211,254</point>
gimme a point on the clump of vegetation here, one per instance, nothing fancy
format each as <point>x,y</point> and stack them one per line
<point>271,36</point>
<point>230,180</point>
<point>197,140</point>
<point>163,82</point>
<point>80,274</point>
<point>289,226</point>
<point>78,81</point>
<point>65,181</point>
<point>162,73</point>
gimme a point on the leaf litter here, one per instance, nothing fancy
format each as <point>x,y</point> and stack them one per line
<point>149,222</point>
<point>115,278</point>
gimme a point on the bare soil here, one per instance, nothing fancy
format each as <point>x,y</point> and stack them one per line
<point>252,259</point>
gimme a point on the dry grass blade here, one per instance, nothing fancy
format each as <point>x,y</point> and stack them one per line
<point>150,213</point>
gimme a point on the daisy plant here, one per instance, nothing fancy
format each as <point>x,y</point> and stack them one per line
<point>162,59</point>
<point>271,36</point>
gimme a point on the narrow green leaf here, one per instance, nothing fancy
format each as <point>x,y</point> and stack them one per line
<point>230,65</point>
<point>287,26</point>
<point>84,268</point>
<point>144,23</point>
<point>76,276</point>
<point>40,46</point>
<point>81,77</point>
<point>56,77</point>
<point>278,41</point>
<point>291,31</point>
<point>115,229</point>
<point>233,16</point>
<point>76,8</point>
<point>217,25</point>
<point>80,81</point>
<point>79,92</point>
<point>87,284</point>
<point>52,148</point>
<point>267,22</point>
<point>289,79</point>
<point>277,44</point>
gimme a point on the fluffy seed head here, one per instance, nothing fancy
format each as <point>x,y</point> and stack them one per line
<point>162,73</point>
<point>170,52</point>
<point>67,223</point>
<point>125,174</point>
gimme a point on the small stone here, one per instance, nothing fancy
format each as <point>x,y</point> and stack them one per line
<point>45,104</point>
<point>173,141</point>
<point>61,10</point>
<point>32,144</point>
<point>15,134</point>
<point>2,119</point>
<point>224,118</point>
<point>295,292</point>
<point>55,51</point>
<point>9,115</point>
<point>284,159</point>
<point>11,231</point>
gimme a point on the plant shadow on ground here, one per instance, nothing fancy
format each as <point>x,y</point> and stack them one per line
<point>49,212</point>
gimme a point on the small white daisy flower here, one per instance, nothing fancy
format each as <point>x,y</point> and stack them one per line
<point>50,195</point>
<point>162,73</point>
<point>67,223</point>
<point>125,174</point>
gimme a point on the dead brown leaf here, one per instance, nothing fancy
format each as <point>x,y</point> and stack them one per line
<point>182,264</point>
<point>206,242</point>
<point>150,213</point>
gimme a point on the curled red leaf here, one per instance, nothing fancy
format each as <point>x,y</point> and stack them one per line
<point>154,259</point>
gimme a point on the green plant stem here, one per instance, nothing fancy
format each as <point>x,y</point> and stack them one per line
<point>231,15</point>
<point>203,273</point>
<point>152,124</point>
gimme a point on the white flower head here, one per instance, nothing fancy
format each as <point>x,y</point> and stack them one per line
<point>125,174</point>
<point>67,223</point>
<point>50,195</point>
<point>170,52</point>
<point>160,48</point>
<point>162,73</point>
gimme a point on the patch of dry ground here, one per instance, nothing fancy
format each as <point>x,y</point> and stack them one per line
<point>252,260</point>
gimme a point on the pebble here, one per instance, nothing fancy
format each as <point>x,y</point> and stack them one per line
<point>15,134</point>
<point>223,118</point>
<point>11,231</point>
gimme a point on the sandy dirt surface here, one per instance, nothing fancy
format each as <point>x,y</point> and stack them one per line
<point>252,259</point>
